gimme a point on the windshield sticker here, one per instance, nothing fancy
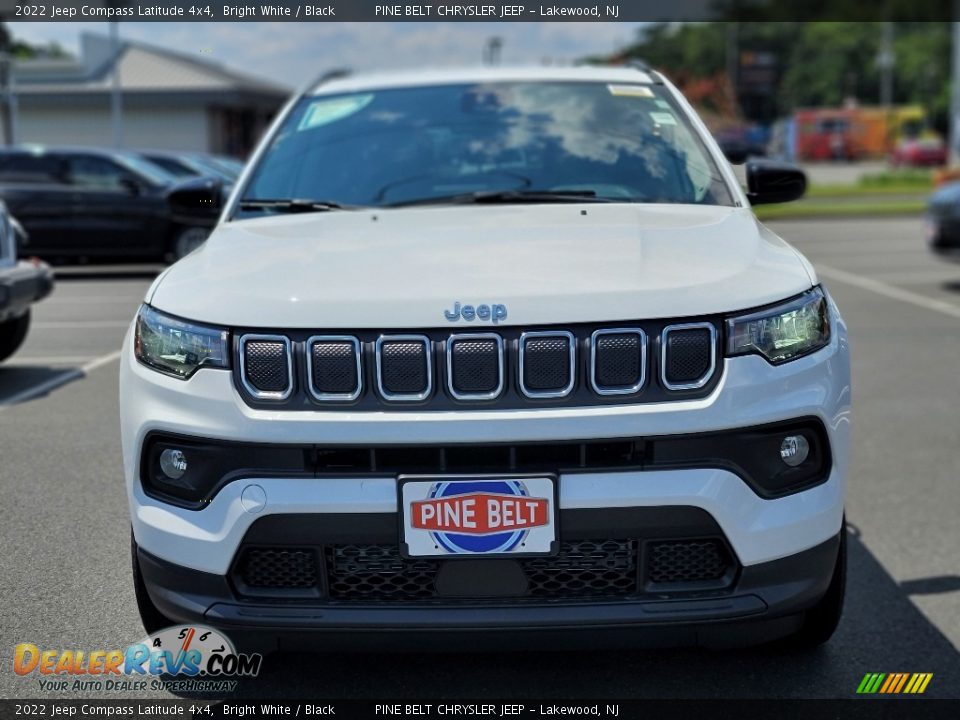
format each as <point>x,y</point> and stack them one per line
<point>324,112</point>
<point>663,104</point>
<point>663,118</point>
<point>630,91</point>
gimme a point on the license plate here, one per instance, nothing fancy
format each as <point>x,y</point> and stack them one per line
<point>478,515</point>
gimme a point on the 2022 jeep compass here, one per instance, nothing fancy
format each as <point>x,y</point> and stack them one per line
<point>499,353</point>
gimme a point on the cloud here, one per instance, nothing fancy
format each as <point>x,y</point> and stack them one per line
<point>296,52</point>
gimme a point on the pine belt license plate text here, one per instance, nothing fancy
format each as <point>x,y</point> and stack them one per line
<point>451,517</point>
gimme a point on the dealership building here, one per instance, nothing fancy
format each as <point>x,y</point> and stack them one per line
<point>170,100</point>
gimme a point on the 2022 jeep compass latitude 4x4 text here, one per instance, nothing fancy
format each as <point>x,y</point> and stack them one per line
<point>499,353</point>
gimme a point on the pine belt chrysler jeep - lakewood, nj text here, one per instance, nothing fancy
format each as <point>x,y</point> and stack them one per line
<point>499,353</point>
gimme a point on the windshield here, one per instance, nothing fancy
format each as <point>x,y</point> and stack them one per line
<point>624,143</point>
<point>146,169</point>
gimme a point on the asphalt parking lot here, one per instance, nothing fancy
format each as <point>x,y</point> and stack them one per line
<point>65,574</point>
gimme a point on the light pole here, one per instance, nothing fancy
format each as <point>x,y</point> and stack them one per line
<point>491,51</point>
<point>116,97</point>
<point>6,85</point>
<point>955,88</point>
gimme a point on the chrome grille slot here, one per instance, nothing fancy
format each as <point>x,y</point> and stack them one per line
<point>475,366</point>
<point>618,360</point>
<point>688,355</point>
<point>547,363</point>
<point>266,366</point>
<point>404,367</point>
<point>334,367</point>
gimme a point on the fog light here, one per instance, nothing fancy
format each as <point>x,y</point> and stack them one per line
<point>794,450</point>
<point>173,463</point>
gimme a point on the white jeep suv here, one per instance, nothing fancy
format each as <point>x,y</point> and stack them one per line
<point>490,350</point>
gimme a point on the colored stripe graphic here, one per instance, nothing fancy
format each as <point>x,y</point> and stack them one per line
<point>894,683</point>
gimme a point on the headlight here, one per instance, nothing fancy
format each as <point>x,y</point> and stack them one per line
<point>176,347</point>
<point>782,333</point>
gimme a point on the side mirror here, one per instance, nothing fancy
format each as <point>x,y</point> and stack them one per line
<point>769,181</point>
<point>196,199</point>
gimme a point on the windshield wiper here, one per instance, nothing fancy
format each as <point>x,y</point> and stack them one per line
<point>507,196</point>
<point>294,205</point>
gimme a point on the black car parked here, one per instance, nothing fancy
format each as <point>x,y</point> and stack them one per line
<point>89,202</point>
<point>943,221</point>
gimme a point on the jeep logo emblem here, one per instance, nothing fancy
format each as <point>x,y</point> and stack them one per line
<point>480,312</point>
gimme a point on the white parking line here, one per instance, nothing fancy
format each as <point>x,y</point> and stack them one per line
<point>58,380</point>
<point>890,291</point>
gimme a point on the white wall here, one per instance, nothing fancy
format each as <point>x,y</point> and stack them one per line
<point>166,129</point>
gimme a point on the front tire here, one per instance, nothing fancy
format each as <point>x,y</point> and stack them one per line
<point>12,334</point>
<point>153,620</point>
<point>820,621</point>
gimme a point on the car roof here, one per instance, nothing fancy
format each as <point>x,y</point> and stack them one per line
<point>53,149</point>
<point>335,83</point>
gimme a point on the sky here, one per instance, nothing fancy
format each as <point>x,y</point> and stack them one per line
<point>296,52</point>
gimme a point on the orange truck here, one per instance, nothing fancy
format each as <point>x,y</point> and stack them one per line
<point>856,132</point>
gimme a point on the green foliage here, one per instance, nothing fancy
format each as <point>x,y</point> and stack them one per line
<point>823,63</point>
<point>907,178</point>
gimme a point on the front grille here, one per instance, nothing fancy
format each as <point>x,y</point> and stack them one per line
<point>688,355</point>
<point>597,569</point>
<point>672,562</point>
<point>509,368</point>
<point>266,365</point>
<point>547,361</point>
<point>475,366</point>
<point>404,367</point>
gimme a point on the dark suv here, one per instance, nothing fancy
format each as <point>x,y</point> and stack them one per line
<point>88,202</point>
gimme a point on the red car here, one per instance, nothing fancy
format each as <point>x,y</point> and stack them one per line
<point>919,153</point>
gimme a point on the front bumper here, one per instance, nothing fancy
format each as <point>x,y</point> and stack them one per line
<point>21,285</point>
<point>765,602</point>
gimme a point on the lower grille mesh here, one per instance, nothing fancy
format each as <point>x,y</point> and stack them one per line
<point>582,569</point>
<point>686,561</point>
<point>286,568</point>
<point>377,572</point>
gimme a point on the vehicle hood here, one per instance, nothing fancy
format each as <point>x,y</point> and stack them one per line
<point>401,268</point>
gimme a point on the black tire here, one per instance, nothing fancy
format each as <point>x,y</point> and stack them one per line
<point>821,620</point>
<point>153,620</point>
<point>12,334</point>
